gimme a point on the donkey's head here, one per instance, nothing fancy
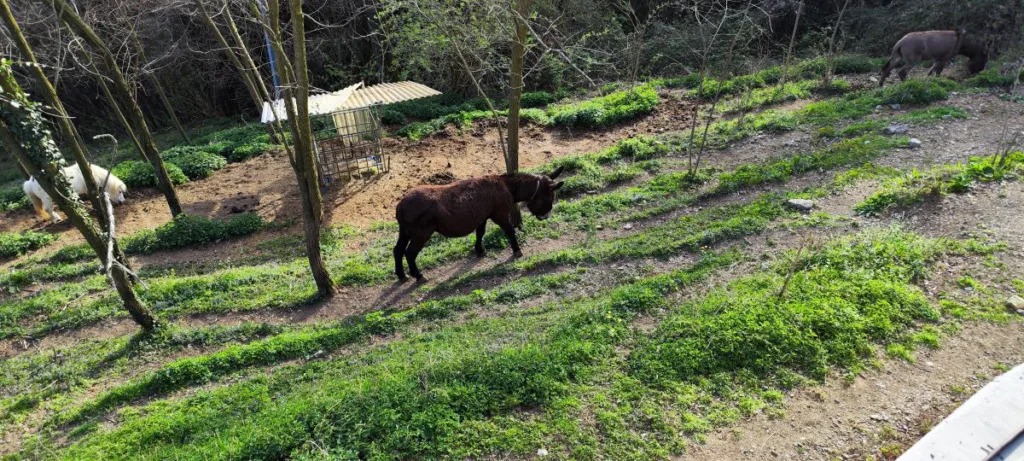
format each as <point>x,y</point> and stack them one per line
<point>542,197</point>
<point>976,51</point>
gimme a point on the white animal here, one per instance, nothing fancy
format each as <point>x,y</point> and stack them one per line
<point>43,204</point>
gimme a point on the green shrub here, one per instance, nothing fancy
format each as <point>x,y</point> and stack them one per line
<point>221,148</point>
<point>535,116</point>
<point>416,130</point>
<point>437,106</point>
<point>187,231</point>
<point>249,150</point>
<point>17,243</point>
<point>12,197</point>
<point>73,253</point>
<point>537,99</point>
<point>194,162</point>
<point>607,110</point>
<point>917,91</point>
<point>393,117</point>
<point>137,174</point>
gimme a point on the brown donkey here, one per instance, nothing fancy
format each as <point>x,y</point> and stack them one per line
<point>457,209</point>
<point>938,45</point>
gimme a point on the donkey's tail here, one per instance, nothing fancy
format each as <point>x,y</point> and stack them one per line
<point>894,60</point>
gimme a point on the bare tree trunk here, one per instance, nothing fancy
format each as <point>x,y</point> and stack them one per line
<point>130,107</point>
<point>46,89</point>
<point>827,79</point>
<point>792,40</point>
<point>520,13</point>
<point>31,144</point>
<point>160,91</point>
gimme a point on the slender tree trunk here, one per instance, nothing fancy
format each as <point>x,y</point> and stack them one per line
<point>23,132</point>
<point>827,79</point>
<point>160,90</point>
<point>250,69</point>
<point>309,181</point>
<point>792,40</point>
<point>130,107</point>
<point>250,65</point>
<point>244,73</point>
<point>520,13</point>
<point>45,88</point>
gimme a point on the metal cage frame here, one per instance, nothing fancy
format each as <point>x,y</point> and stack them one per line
<point>348,146</point>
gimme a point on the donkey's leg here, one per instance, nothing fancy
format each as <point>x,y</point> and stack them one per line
<point>510,232</point>
<point>937,68</point>
<point>886,70</point>
<point>480,239</point>
<point>403,243</point>
<point>415,245</point>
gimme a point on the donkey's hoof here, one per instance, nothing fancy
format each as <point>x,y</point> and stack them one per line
<point>481,254</point>
<point>421,279</point>
<point>518,254</point>
<point>402,278</point>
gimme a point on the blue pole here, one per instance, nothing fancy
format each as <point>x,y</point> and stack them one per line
<point>270,52</point>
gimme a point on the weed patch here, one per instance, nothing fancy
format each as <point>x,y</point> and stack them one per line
<point>606,110</point>
<point>960,178</point>
<point>845,299</point>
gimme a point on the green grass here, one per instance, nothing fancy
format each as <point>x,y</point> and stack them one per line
<point>509,384</point>
<point>307,342</point>
<point>483,375</point>
<point>919,186</point>
<point>842,301</point>
<point>847,152</point>
<point>18,243</point>
<point>771,95</point>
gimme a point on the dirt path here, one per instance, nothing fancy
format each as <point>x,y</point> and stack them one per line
<point>893,406</point>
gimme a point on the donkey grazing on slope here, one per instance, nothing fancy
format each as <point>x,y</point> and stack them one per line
<point>938,45</point>
<point>457,209</point>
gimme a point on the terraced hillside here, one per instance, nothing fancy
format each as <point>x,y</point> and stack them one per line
<point>667,310</point>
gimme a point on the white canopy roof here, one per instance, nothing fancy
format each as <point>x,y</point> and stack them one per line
<point>353,97</point>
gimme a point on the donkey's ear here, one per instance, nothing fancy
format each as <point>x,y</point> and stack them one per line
<point>557,172</point>
<point>557,185</point>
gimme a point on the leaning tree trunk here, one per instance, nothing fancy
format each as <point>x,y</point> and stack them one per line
<point>24,133</point>
<point>62,120</point>
<point>130,107</point>
<point>520,14</point>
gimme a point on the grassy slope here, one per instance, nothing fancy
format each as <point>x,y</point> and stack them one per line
<point>545,340</point>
